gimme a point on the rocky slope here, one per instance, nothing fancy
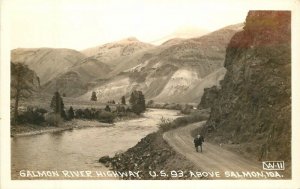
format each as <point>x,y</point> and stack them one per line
<point>208,97</point>
<point>252,109</point>
<point>153,154</point>
<point>171,72</point>
<point>176,71</point>
<point>47,62</point>
<point>109,52</point>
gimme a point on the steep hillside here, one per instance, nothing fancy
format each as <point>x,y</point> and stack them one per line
<point>24,84</point>
<point>28,76</point>
<point>109,52</point>
<point>47,62</point>
<point>184,89</point>
<point>252,109</point>
<point>176,71</point>
<point>76,80</point>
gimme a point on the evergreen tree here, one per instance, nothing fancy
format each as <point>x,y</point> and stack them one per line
<point>123,100</point>
<point>137,101</point>
<point>107,108</point>
<point>57,104</point>
<point>94,96</point>
<point>70,113</point>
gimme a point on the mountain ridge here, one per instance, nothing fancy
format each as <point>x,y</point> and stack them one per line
<point>152,71</point>
<point>129,64</point>
<point>47,62</point>
<point>125,47</point>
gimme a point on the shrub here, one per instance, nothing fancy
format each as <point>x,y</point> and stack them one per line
<point>106,117</point>
<point>71,113</point>
<point>107,108</point>
<point>87,114</point>
<point>150,103</point>
<point>100,115</point>
<point>33,116</point>
<point>53,119</point>
<point>186,109</point>
<point>167,124</point>
<point>78,113</point>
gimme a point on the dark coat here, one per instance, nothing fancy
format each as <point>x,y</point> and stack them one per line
<point>198,141</point>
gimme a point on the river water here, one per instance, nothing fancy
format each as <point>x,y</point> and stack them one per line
<point>80,149</point>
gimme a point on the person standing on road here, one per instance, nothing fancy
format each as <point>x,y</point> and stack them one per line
<point>198,142</point>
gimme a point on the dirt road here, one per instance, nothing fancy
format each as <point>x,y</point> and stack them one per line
<point>213,157</point>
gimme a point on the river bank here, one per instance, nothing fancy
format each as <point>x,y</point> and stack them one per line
<point>30,129</point>
<point>154,158</point>
<point>80,149</point>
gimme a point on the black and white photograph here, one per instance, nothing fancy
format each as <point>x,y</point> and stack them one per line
<point>134,91</point>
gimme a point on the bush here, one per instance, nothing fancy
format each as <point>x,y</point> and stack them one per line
<point>71,113</point>
<point>107,108</point>
<point>78,113</point>
<point>87,114</point>
<point>187,109</point>
<point>167,124</point>
<point>33,116</point>
<point>172,106</point>
<point>120,109</point>
<point>100,115</point>
<point>150,103</point>
<point>53,119</point>
<point>106,117</point>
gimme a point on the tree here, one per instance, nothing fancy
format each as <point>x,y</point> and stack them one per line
<point>22,85</point>
<point>70,113</point>
<point>57,104</point>
<point>137,101</point>
<point>123,100</point>
<point>107,108</point>
<point>94,96</point>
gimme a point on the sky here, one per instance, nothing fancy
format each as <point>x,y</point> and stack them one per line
<point>80,24</point>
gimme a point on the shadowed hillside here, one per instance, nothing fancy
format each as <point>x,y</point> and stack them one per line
<point>252,108</point>
<point>77,79</point>
<point>47,62</point>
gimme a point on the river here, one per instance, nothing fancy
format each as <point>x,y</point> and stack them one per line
<point>80,149</point>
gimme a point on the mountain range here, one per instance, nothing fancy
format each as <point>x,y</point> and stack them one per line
<point>176,71</point>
